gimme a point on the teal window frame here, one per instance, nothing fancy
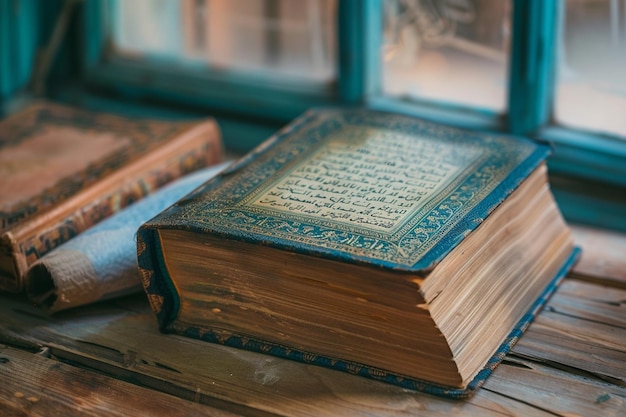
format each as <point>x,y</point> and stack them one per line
<point>588,169</point>
<point>590,166</point>
<point>19,39</point>
<point>241,93</point>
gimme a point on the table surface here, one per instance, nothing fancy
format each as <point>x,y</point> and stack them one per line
<point>110,359</point>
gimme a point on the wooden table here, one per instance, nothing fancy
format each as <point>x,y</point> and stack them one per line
<point>109,359</point>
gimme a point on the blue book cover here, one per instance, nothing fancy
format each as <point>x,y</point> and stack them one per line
<point>345,225</point>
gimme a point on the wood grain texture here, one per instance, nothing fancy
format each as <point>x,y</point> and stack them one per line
<point>566,342</point>
<point>36,386</point>
<point>583,328</point>
<point>122,341</point>
<point>557,392</point>
<point>571,362</point>
<point>591,302</point>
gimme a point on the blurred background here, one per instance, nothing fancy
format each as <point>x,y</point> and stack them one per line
<point>449,51</point>
<point>554,70</point>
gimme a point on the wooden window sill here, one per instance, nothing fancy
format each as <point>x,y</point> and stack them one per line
<point>109,359</point>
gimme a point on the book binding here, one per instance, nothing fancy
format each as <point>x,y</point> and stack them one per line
<point>154,290</point>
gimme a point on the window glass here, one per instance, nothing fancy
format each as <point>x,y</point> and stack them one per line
<point>147,27</point>
<point>591,87</point>
<point>285,37</point>
<point>453,51</point>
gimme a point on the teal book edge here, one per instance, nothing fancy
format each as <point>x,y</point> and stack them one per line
<point>491,168</point>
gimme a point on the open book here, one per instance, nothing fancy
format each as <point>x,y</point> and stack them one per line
<point>369,242</point>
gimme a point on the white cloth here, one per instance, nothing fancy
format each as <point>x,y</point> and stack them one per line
<point>101,263</point>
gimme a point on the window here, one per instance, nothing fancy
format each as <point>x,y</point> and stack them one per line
<point>454,52</point>
<point>19,33</point>
<point>591,86</point>
<point>263,59</point>
<point>514,66</point>
<point>278,38</point>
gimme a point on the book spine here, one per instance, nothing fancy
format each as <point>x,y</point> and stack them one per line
<point>35,246</point>
<point>28,249</point>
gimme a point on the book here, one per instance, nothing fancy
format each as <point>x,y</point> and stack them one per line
<point>101,262</point>
<point>370,242</point>
<point>64,169</point>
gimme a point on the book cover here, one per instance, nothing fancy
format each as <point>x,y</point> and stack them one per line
<point>64,169</point>
<point>378,191</point>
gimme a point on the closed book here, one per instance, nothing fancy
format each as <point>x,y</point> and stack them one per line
<point>64,169</point>
<point>370,242</point>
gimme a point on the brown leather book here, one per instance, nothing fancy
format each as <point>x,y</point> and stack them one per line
<point>64,169</point>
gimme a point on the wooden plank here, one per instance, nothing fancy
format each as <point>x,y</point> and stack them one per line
<point>583,326</point>
<point>33,385</point>
<point>557,392</point>
<point>577,342</point>
<point>584,290</point>
<point>581,345</point>
<point>123,341</point>
<point>603,257</point>
<point>590,302</point>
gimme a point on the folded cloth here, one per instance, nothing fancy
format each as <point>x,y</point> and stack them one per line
<point>101,263</point>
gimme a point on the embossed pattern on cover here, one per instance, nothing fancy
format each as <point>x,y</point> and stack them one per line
<point>329,181</point>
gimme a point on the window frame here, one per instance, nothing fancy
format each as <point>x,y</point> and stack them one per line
<point>19,39</point>
<point>240,93</point>
<point>581,156</point>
